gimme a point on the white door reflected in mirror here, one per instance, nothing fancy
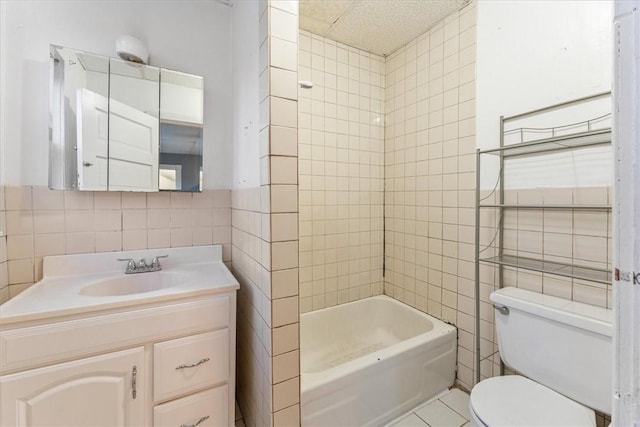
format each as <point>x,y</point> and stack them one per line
<point>92,140</point>
<point>134,108</point>
<point>133,149</point>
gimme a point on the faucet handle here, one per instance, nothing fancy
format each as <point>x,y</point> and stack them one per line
<point>155,262</point>
<point>131,264</point>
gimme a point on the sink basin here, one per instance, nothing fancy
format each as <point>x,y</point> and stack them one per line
<point>133,284</point>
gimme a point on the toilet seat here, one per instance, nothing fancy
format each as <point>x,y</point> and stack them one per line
<point>516,401</point>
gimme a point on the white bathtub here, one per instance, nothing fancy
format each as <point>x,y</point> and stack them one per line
<point>367,362</point>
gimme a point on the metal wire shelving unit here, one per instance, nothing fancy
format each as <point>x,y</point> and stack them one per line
<point>562,138</point>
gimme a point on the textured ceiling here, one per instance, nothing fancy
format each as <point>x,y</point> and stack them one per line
<point>378,26</point>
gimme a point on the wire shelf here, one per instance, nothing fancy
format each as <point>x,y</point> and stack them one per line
<point>556,143</point>
<point>592,274</point>
<point>555,207</point>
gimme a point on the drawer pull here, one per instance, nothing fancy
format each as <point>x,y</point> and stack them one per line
<point>193,365</point>
<point>201,420</point>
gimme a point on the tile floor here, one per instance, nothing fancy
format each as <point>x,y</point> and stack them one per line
<point>449,410</point>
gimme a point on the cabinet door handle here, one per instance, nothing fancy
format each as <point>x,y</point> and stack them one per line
<point>134,374</point>
<point>193,365</point>
<point>201,420</point>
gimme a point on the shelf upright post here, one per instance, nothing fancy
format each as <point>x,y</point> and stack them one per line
<point>501,217</point>
<point>477,267</point>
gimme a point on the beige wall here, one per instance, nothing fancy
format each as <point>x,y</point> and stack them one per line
<point>430,175</point>
<point>41,222</point>
<point>341,173</point>
<point>265,235</point>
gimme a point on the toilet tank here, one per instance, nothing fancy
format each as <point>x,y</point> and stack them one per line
<point>564,345</point>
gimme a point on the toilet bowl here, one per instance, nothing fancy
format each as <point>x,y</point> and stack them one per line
<point>565,350</point>
<point>515,401</point>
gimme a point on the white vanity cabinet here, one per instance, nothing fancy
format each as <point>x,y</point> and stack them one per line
<point>95,391</point>
<point>91,346</point>
<point>163,364</point>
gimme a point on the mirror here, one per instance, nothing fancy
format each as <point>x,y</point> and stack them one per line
<point>181,126</point>
<point>78,77</point>
<point>122,126</point>
<point>134,108</point>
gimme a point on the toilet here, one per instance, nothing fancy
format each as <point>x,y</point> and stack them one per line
<point>564,351</point>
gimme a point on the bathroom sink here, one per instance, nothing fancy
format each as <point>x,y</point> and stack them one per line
<point>133,284</point>
<point>80,284</point>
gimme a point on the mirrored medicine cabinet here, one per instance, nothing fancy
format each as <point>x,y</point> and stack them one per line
<point>121,126</point>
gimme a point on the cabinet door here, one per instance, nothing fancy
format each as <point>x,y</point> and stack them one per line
<point>93,392</point>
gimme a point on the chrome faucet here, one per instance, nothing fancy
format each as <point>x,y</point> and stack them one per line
<point>142,266</point>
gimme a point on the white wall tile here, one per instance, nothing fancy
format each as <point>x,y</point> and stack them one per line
<point>283,24</point>
<point>19,246</point>
<point>78,200</point>
<point>19,222</point>
<point>283,54</point>
<point>284,112</point>
<point>17,198</point>
<point>132,200</point>
<point>284,170</point>
<point>285,338</point>
<point>67,222</point>
<point>79,220</point>
<point>49,244</point>
<point>159,200</point>
<point>286,393</point>
<point>108,241</point>
<point>108,220</point>
<point>107,200</point>
<point>48,221</point>
<point>80,242</point>
<point>45,199</point>
<point>134,219</point>
<point>134,239</point>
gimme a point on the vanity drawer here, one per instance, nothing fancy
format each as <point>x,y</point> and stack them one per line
<point>27,347</point>
<point>189,363</point>
<point>187,411</point>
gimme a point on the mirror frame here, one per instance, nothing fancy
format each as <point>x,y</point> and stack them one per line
<point>63,170</point>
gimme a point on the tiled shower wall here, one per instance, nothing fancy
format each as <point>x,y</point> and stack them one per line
<point>41,222</point>
<point>341,171</point>
<point>429,200</point>
<point>430,176</point>
<point>265,236</point>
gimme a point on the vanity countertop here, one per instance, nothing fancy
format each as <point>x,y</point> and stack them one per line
<point>199,271</point>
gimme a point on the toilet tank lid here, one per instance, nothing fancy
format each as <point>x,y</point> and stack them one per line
<point>584,316</point>
<point>516,401</point>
